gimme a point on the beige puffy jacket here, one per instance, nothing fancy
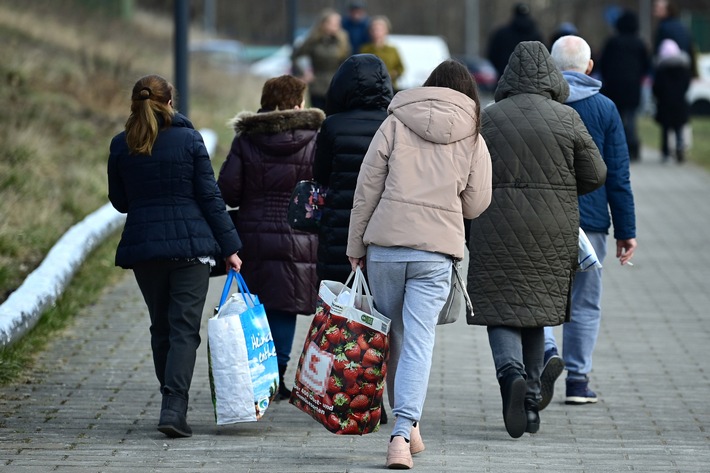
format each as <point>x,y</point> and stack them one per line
<point>425,171</point>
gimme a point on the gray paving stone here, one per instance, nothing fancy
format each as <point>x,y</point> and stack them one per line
<point>92,403</point>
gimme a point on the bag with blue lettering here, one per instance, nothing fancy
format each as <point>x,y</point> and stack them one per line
<point>244,374</point>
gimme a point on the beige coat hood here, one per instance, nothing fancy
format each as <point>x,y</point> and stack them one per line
<point>425,171</point>
<point>435,114</point>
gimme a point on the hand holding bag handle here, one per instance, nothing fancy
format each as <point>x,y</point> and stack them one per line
<point>243,289</point>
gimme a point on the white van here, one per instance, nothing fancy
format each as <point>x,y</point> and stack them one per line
<point>419,54</point>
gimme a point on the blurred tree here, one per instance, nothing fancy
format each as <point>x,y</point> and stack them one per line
<point>266,21</point>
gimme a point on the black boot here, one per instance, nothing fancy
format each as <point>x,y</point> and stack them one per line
<point>173,417</point>
<point>512,390</point>
<point>531,410</point>
<point>680,155</point>
<point>284,393</point>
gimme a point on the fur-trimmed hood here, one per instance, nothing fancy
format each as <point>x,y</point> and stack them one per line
<point>279,121</point>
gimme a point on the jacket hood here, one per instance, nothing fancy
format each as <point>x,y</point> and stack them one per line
<point>524,24</point>
<point>361,82</point>
<point>530,70</point>
<point>682,59</point>
<point>250,123</point>
<point>436,114</point>
<point>581,86</point>
<point>628,23</point>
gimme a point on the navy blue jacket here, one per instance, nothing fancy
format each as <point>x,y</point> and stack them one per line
<point>175,210</point>
<point>603,122</point>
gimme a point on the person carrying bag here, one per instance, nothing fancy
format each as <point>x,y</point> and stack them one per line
<point>340,375</point>
<point>244,374</point>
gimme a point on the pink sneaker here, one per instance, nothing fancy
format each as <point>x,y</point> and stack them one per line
<point>398,455</point>
<point>416,444</point>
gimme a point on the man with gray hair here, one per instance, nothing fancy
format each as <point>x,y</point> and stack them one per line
<point>572,56</point>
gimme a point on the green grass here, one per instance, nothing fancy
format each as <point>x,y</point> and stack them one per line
<point>699,153</point>
<point>65,78</point>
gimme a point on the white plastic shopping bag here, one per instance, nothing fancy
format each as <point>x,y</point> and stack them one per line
<point>244,374</point>
<point>587,256</point>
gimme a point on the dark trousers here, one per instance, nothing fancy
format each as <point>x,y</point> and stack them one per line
<point>521,350</point>
<point>283,327</point>
<point>628,119</point>
<point>175,293</point>
<point>665,145</point>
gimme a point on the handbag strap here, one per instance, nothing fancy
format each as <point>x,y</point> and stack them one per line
<point>457,274</point>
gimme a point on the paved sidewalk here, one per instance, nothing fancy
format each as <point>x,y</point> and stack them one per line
<point>93,403</point>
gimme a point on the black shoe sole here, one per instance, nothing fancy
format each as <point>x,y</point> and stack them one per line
<point>553,369</point>
<point>515,417</point>
<point>173,432</point>
<point>533,427</point>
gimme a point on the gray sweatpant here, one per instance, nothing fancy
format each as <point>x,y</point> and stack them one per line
<point>410,287</point>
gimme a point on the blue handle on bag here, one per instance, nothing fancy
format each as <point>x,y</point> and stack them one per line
<point>243,289</point>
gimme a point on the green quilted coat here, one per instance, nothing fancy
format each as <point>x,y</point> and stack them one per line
<point>523,248</point>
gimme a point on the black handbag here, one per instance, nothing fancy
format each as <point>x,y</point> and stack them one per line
<point>306,206</point>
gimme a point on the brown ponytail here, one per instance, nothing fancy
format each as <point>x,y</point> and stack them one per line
<point>149,102</point>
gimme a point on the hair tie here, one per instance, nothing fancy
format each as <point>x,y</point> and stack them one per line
<point>144,94</point>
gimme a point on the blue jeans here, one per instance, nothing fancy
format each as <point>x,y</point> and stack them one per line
<point>411,293</point>
<point>579,335</point>
<point>520,350</point>
<point>283,327</point>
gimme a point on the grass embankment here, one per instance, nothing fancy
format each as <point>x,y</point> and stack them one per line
<point>66,76</point>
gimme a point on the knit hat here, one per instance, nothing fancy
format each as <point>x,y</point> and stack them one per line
<point>668,48</point>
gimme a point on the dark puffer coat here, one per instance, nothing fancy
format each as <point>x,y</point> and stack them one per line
<point>270,154</point>
<point>174,207</point>
<point>625,62</point>
<point>523,248</point>
<point>670,86</point>
<point>358,98</point>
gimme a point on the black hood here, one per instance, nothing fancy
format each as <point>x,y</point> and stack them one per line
<point>628,23</point>
<point>361,82</point>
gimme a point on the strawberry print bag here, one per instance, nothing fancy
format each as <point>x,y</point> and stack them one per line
<point>340,376</point>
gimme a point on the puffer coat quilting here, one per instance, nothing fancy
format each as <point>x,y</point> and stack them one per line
<point>270,154</point>
<point>358,98</point>
<point>174,208</point>
<point>523,248</point>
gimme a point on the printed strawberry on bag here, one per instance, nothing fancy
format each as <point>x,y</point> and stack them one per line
<point>340,375</point>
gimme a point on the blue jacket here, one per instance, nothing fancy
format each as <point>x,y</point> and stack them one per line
<point>175,210</point>
<point>603,122</point>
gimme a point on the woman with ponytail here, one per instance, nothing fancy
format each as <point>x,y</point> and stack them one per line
<point>160,175</point>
